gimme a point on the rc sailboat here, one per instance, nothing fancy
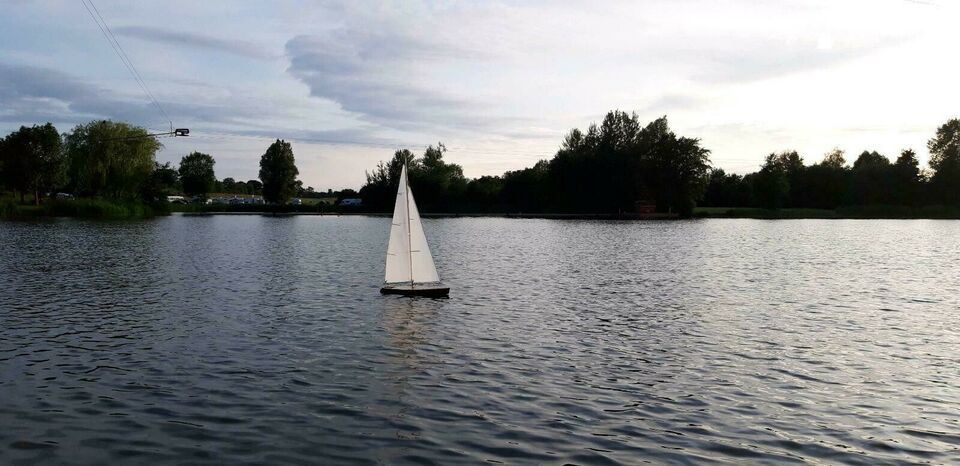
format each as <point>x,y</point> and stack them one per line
<point>410,270</point>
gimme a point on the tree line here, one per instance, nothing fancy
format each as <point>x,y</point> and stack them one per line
<point>624,166</point>
<point>608,168</point>
<point>620,165</point>
<point>116,161</point>
<point>785,181</point>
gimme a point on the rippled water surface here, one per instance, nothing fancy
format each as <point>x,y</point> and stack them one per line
<point>248,339</point>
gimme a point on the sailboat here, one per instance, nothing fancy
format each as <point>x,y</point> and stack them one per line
<point>410,270</point>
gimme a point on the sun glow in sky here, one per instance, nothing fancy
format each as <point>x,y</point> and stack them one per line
<point>499,83</point>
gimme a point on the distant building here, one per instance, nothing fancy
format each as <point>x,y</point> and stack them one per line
<point>239,199</point>
<point>352,202</point>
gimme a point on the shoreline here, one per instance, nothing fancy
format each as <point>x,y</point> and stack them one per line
<point>554,216</point>
<point>852,213</point>
<point>866,212</point>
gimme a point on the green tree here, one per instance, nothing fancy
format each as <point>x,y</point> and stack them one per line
<point>725,190</point>
<point>527,190</point>
<point>33,160</point>
<point>834,159</point>
<point>254,187</point>
<point>346,194</point>
<point>483,194</point>
<point>907,180</point>
<point>945,161</point>
<point>675,168</point>
<point>601,163</point>
<point>229,185</point>
<point>608,168</point>
<point>688,166</point>
<point>196,174</point>
<point>439,186</point>
<point>113,159</point>
<point>3,157</point>
<point>163,181</point>
<point>278,172</point>
<point>772,185</point>
<point>872,179</point>
<point>826,182</point>
<point>793,165</point>
<point>380,190</point>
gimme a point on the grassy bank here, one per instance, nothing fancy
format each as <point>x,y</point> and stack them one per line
<point>849,212</point>
<point>80,208</point>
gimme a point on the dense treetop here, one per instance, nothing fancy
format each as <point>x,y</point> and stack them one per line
<point>110,159</point>
<point>196,174</point>
<point>32,160</point>
<point>278,173</point>
<point>607,168</point>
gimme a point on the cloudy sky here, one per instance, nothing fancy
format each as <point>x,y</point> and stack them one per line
<point>499,83</point>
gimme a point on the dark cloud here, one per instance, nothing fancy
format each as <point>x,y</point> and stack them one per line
<point>21,82</point>
<point>383,78</point>
<point>363,137</point>
<point>232,46</point>
<point>30,94</point>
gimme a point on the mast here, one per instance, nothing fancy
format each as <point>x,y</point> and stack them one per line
<point>406,198</point>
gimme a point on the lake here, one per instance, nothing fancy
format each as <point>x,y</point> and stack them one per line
<point>257,339</point>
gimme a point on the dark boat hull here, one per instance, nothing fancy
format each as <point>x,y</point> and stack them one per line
<point>431,291</point>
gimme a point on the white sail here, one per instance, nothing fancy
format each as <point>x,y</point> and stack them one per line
<point>399,268</point>
<point>408,255</point>
<point>424,270</point>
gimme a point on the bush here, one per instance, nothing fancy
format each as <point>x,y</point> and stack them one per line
<point>8,208</point>
<point>81,208</point>
<point>99,208</point>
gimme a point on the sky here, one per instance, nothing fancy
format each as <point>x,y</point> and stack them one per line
<point>498,82</point>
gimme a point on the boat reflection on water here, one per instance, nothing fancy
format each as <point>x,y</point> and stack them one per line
<point>407,324</point>
<point>409,353</point>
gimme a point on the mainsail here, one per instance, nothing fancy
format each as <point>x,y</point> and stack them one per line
<point>408,255</point>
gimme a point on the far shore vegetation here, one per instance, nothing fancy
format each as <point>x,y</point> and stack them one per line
<point>620,168</point>
<point>106,169</point>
